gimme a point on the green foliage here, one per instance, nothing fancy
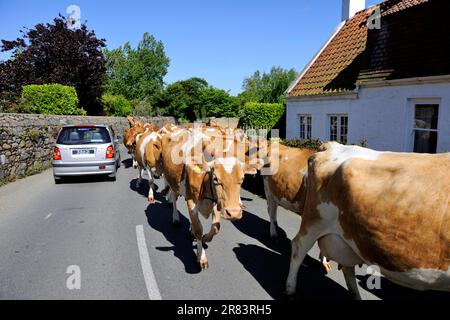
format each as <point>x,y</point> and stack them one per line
<point>194,99</point>
<point>267,87</point>
<point>261,115</point>
<point>50,99</point>
<point>137,73</point>
<point>35,134</point>
<point>296,143</point>
<point>37,167</point>
<point>116,105</point>
<point>143,107</point>
<point>181,99</point>
<point>217,103</point>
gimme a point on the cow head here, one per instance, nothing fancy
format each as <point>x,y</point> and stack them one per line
<point>220,181</point>
<point>129,137</point>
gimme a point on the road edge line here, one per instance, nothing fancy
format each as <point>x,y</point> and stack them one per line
<point>149,276</point>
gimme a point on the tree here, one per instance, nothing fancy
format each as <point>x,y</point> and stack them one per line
<point>137,73</point>
<point>53,53</point>
<point>217,103</point>
<point>181,99</point>
<point>267,87</point>
<point>116,105</point>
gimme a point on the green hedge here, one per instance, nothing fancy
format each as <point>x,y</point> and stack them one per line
<point>296,143</point>
<point>261,115</point>
<point>50,99</point>
<point>116,105</point>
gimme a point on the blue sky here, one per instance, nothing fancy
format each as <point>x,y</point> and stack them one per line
<point>222,41</point>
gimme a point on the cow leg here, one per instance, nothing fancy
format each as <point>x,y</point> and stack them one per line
<point>151,197</point>
<point>326,264</point>
<point>166,191</point>
<point>197,229</point>
<point>350,280</point>
<point>140,171</point>
<point>175,213</point>
<point>301,244</point>
<point>272,207</point>
<point>215,227</point>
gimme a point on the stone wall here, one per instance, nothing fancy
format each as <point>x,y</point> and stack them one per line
<point>27,140</point>
<point>224,122</point>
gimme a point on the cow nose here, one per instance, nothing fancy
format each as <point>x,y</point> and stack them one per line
<point>233,213</point>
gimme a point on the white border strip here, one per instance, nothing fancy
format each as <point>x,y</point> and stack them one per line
<point>292,86</point>
<point>149,276</point>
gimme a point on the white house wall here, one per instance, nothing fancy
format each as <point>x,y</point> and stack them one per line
<point>383,116</point>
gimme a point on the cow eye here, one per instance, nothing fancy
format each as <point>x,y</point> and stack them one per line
<point>215,180</point>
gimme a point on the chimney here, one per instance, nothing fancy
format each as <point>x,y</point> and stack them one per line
<point>350,7</point>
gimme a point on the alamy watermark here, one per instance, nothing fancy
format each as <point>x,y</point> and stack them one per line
<point>74,18</point>
<point>373,281</point>
<point>374,21</point>
<point>73,282</point>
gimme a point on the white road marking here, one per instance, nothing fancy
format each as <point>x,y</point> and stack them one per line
<point>149,277</point>
<point>48,216</point>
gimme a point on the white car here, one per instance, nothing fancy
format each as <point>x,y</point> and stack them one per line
<point>87,149</point>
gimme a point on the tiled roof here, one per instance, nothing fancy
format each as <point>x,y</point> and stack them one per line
<point>413,42</point>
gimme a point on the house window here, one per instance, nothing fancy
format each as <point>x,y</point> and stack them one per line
<point>425,128</point>
<point>339,128</point>
<point>305,126</point>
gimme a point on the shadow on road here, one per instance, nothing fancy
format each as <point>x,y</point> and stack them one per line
<point>259,229</point>
<point>127,163</point>
<point>270,267</point>
<point>391,291</point>
<point>143,189</point>
<point>254,184</point>
<point>159,217</point>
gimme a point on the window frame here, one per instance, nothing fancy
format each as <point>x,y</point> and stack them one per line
<point>429,103</point>
<point>339,117</point>
<point>307,127</point>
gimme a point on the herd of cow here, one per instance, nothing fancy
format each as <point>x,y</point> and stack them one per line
<point>361,206</point>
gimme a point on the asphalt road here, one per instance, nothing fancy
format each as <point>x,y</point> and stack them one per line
<point>127,249</point>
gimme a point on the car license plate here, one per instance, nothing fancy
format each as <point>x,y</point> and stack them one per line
<point>81,152</point>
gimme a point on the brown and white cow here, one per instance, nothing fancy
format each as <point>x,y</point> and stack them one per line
<point>284,184</point>
<point>147,154</point>
<point>208,179</point>
<point>380,208</point>
<point>129,137</point>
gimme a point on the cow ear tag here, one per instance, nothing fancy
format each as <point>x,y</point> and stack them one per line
<point>197,169</point>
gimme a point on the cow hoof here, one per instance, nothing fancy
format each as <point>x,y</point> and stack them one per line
<point>327,266</point>
<point>204,264</point>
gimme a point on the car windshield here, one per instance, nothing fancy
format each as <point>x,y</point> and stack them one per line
<point>83,135</point>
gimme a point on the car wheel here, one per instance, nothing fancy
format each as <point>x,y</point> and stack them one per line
<point>58,180</point>
<point>112,177</point>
